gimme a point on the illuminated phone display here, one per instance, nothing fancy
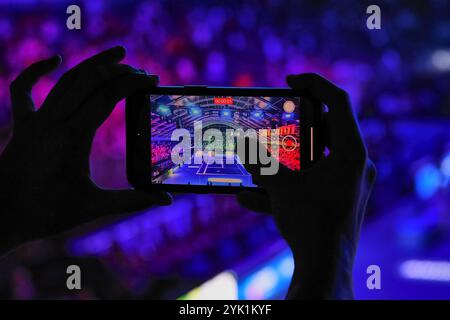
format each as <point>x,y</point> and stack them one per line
<point>194,139</point>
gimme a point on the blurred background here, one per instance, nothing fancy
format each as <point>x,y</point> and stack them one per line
<point>206,246</point>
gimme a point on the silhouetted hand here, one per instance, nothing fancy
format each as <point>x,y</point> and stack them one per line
<point>45,186</point>
<point>319,210</point>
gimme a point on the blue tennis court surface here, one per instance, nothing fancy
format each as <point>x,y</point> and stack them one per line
<point>220,171</point>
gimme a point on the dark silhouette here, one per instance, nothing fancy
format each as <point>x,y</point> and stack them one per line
<point>45,186</point>
<point>319,210</point>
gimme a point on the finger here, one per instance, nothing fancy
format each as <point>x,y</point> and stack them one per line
<point>79,73</point>
<point>345,137</point>
<point>97,109</point>
<point>266,176</point>
<point>85,86</point>
<point>22,102</point>
<point>255,201</point>
<point>113,202</point>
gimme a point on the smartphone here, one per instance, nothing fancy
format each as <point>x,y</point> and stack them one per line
<point>185,138</point>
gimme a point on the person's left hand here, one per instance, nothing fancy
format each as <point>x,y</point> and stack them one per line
<point>45,185</point>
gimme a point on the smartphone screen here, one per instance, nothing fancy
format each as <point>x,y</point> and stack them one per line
<point>194,139</point>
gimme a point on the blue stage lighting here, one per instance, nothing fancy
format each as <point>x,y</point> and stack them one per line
<point>163,110</point>
<point>428,270</point>
<point>445,165</point>
<point>226,113</point>
<point>258,114</point>
<point>427,181</point>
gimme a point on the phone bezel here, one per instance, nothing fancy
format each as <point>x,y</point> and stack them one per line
<point>138,136</point>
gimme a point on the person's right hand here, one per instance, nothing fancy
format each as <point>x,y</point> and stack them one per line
<point>319,210</point>
<point>45,184</point>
